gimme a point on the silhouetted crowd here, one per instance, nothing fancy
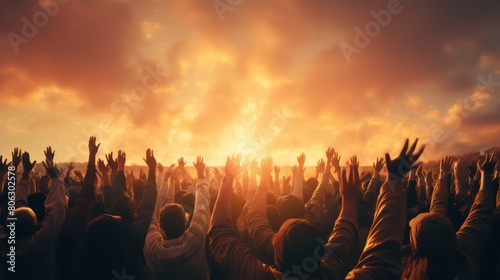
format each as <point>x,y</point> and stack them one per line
<point>248,221</point>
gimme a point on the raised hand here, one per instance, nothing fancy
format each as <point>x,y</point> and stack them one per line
<point>160,167</point>
<point>27,164</point>
<point>335,161</point>
<point>459,169</point>
<point>488,164</point>
<point>79,174</point>
<point>254,166</point>
<point>200,167</point>
<point>429,180</point>
<point>320,166</point>
<point>181,162</point>
<point>301,159</point>
<point>169,172</point>
<point>16,157</point>
<point>295,169</point>
<point>266,168</point>
<point>120,160</point>
<point>51,169</point>
<point>71,166</point>
<point>218,174</point>
<point>112,163</point>
<point>102,167</point>
<point>407,160</point>
<point>4,166</point>
<point>232,167</point>
<point>277,171</point>
<point>93,148</point>
<point>150,159</point>
<point>354,162</point>
<point>49,154</point>
<point>349,186</point>
<point>472,168</point>
<point>445,166</point>
<point>377,166</point>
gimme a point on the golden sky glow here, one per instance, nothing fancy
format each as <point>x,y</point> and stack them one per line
<point>257,77</point>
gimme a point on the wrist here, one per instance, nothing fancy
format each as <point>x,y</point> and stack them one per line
<point>201,175</point>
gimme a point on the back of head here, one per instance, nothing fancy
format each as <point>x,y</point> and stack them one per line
<point>433,238</point>
<point>290,206</point>
<point>104,249</point>
<point>270,198</point>
<point>125,208</point>
<point>44,184</point>
<point>273,216</point>
<point>138,187</point>
<point>173,220</point>
<point>26,222</point>
<point>309,186</point>
<point>187,201</point>
<point>36,201</point>
<point>296,246</point>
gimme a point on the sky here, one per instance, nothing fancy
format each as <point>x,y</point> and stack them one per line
<point>205,77</point>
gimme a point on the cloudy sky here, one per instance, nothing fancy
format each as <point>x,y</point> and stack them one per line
<point>258,77</point>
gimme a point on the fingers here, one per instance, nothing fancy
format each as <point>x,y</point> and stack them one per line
<point>412,148</point>
<point>405,148</point>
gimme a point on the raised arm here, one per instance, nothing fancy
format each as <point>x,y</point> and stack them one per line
<point>371,193</point>
<point>439,202</point>
<point>381,257</point>
<point>314,208</point>
<point>472,236</point>
<point>259,229</point>
<point>201,213</point>
<point>298,183</point>
<point>344,237</point>
<point>23,185</point>
<point>462,202</point>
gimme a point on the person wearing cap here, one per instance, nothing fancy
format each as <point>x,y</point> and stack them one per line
<point>437,251</point>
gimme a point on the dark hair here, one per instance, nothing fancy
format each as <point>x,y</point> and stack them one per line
<point>273,216</point>
<point>125,208</point>
<point>290,206</point>
<point>173,220</point>
<point>36,201</point>
<point>104,248</point>
<point>26,222</point>
<point>138,187</point>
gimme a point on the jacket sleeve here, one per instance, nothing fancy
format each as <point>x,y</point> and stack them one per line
<point>22,192</point>
<point>477,227</point>
<point>314,208</point>
<point>462,201</point>
<point>145,210</point>
<point>336,259</point>
<point>119,185</point>
<point>439,202</point>
<point>370,195</point>
<point>231,254</point>
<point>381,257</point>
<point>298,185</point>
<point>55,212</point>
<point>259,229</point>
<point>70,241</point>
<point>201,215</point>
